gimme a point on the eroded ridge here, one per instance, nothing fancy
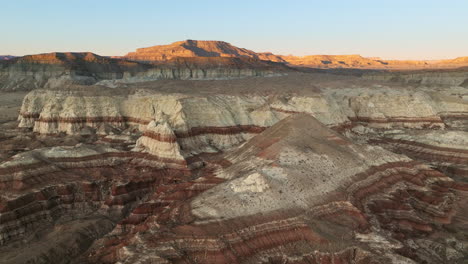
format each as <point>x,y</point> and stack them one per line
<point>170,174</point>
<point>261,205</point>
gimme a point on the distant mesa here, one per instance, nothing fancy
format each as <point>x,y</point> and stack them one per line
<point>68,58</point>
<point>197,48</point>
<point>209,48</point>
<point>206,60</point>
<point>186,52</point>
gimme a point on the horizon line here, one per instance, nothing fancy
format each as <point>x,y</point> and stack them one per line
<point>274,53</point>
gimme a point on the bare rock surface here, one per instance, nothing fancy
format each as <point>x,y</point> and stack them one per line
<point>451,77</point>
<point>211,48</point>
<point>297,168</point>
<point>299,191</point>
<point>209,60</point>
<point>52,70</point>
<point>191,48</point>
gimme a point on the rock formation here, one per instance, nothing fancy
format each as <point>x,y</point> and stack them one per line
<point>61,69</point>
<point>190,115</point>
<point>209,60</point>
<point>453,77</point>
<point>297,191</point>
<point>296,167</point>
<point>197,48</point>
<point>446,150</point>
<point>204,48</point>
<point>359,62</point>
<point>55,70</point>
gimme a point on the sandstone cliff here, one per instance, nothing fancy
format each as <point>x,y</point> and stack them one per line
<point>448,77</point>
<point>203,48</point>
<point>63,69</point>
<point>211,60</point>
<point>359,62</point>
<point>207,118</point>
<point>205,121</point>
<point>196,48</point>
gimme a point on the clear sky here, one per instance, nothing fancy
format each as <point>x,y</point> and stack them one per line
<point>402,29</point>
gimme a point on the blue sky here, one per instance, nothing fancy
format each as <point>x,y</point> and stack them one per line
<point>410,29</point>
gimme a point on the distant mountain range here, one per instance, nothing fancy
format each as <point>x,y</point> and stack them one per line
<point>173,54</point>
<point>199,48</point>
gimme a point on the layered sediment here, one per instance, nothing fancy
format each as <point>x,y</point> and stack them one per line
<point>53,70</point>
<point>49,189</point>
<point>226,120</point>
<point>268,207</point>
<point>445,150</point>
<point>239,171</point>
<point>194,48</point>
<point>210,48</point>
<point>209,60</point>
<point>449,77</point>
<point>60,69</point>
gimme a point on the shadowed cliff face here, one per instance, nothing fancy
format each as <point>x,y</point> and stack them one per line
<point>63,69</point>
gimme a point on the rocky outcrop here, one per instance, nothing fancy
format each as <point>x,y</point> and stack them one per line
<point>58,70</point>
<point>217,118</point>
<point>203,68</point>
<point>159,139</point>
<point>207,60</point>
<point>335,61</point>
<point>200,124</point>
<point>197,48</point>
<point>239,171</point>
<point>45,191</point>
<point>452,77</point>
<point>61,69</point>
<point>445,150</point>
<point>210,48</point>
<point>359,62</point>
<point>297,191</point>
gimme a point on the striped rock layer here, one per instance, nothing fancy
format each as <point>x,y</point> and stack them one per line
<point>85,189</point>
<point>446,150</point>
<point>238,179</point>
<point>217,122</point>
<point>361,204</point>
<point>58,70</point>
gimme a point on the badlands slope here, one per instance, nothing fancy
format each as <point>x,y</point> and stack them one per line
<point>297,168</point>
<point>202,152</point>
